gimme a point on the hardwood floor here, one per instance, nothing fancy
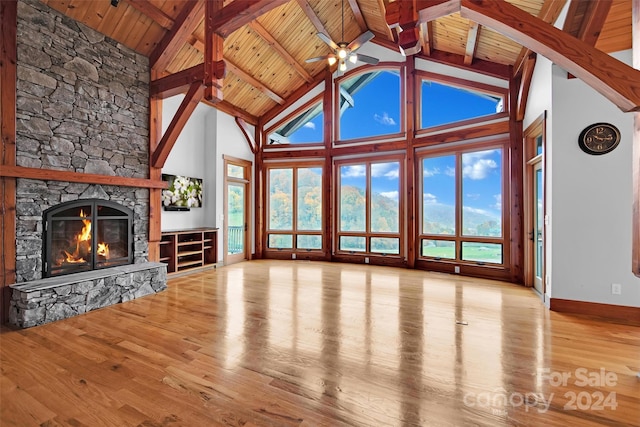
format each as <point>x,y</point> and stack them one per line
<point>294,343</point>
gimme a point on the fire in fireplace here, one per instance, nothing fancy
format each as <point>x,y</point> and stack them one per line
<point>86,235</point>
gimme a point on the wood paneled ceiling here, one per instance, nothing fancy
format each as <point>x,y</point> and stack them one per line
<point>265,59</point>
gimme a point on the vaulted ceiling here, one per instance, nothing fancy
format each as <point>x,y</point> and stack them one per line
<point>265,58</point>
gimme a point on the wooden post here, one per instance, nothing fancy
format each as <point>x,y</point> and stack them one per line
<point>636,146</point>
<point>411,170</point>
<point>8,59</point>
<point>155,195</point>
<point>516,189</point>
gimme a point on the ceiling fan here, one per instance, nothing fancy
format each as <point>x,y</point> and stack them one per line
<point>343,51</point>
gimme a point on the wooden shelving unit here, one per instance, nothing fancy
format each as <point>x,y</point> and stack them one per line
<point>187,250</point>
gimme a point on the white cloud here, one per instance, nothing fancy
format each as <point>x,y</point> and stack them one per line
<point>473,196</point>
<point>476,165</point>
<point>429,198</point>
<point>384,119</point>
<point>478,211</point>
<point>427,173</point>
<point>390,170</point>
<point>390,194</point>
<point>353,171</point>
<point>309,125</point>
<point>393,174</point>
<point>498,205</point>
<point>450,171</point>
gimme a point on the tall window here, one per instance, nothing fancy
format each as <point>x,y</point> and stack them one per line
<point>461,206</point>
<point>370,197</point>
<point>295,208</point>
<point>369,105</point>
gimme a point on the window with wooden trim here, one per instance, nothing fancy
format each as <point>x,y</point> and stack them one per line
<point>370,196</point>
<point>369,104</point>
<point>303,126</point>
<point>445,102</point>
<point>295,218</point>
<point>461,206</point>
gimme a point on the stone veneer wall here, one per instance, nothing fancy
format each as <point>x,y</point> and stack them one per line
<point>82,106</point>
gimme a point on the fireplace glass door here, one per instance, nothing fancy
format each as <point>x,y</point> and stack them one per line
<point>86,235</point>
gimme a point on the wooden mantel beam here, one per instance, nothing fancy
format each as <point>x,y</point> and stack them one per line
<point>189,103</point>
<point>239,13</point>
<point>613,79</point>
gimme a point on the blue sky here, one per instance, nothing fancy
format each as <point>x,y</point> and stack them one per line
<point>377,112</point>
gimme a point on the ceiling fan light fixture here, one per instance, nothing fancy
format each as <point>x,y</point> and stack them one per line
<point>343,66</point>
<point>332,60</point>
<point>342,53</point>
<point>353,58</point>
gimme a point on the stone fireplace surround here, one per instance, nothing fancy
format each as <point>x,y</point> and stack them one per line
<point>82,106</point>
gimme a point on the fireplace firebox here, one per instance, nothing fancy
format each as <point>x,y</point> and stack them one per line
<point>86,235</point>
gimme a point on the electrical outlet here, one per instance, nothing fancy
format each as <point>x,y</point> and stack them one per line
<point>366,260</point>
<point>456,269</point>
<point>616,289</point>
<point>293,256</point>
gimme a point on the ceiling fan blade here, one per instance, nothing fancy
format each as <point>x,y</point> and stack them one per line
<point>319,58</point>
<point>360,40</point>
<point>325,38</point>
<point>368,59</point>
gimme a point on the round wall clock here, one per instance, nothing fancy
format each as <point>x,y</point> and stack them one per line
<point>599,138</point>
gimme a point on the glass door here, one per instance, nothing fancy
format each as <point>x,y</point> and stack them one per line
<point>538,232</point>
<point>237,208</point>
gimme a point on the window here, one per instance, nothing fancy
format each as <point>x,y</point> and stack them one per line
<point>306,126</point>
<point>295,208</point>
<point>369,105</point>
<point>370,197</point>
<point>462,212</point>
<point>444,103</point>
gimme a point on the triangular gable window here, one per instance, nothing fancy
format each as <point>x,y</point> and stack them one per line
<point>306,127</point>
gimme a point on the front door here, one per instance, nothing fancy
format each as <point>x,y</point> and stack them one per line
<point>237,208</point>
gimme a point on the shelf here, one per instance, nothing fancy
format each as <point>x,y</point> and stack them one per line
<point>184,250</point>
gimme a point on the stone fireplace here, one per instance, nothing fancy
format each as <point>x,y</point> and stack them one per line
<point>83,107</point>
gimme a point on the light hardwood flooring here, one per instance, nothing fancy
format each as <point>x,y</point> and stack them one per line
<point>294,343</point>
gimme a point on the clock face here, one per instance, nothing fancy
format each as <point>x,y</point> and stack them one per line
<point>599,138</point>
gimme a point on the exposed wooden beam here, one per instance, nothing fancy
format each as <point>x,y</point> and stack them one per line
<point>593,21</point>
<point>176,83</point>
<point>233,111</point>
<point>409,37</point>
<point>71,176</point>
<point>311,15</point>
<point>426,33</point>
<point>288,58</point>
<point>549,12</point>
<point>295,96</point>
<point>253,82</point>
<point>189,103</point>
<point>479,65</point>
<point>155,194</point>
<point>8,74</point>
<point>524,85</point>
<point>185,24</point>
<point>430,10</point>
<point>472,42</point>
<point>239,13</point>
<point>384,41</point>
<point>357,12</point>
<point>148,9</point>
<point>244,128</point>
<point>613,79</point>
<point>635,18</point>
<point>213,50</point>
<point>382,6</point>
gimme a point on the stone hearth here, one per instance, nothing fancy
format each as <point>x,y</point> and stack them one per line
<point>47,300</point>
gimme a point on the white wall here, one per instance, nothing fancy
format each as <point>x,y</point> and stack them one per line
<point>589,198</point>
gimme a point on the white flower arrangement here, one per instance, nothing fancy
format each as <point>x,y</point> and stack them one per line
<point>183,192</point>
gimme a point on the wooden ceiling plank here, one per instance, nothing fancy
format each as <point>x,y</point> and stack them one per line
<point>311,15</point>
<point>357,12</point>
<point>239,13</point>
<point>295,96</point>
<point>213,51</point>
<point>188,104</point>
<point>479,66</point>
<point>613,79</point>
<point>147,8</point>
<point>472,42</point>
<point>185,24</point>
<point>594,20</point>
<point>248,78</point>
<point>549,12</point>
<point>288,58</point>
<point>383,10</point>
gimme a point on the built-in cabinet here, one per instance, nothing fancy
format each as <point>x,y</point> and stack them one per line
<point>184,250</point>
